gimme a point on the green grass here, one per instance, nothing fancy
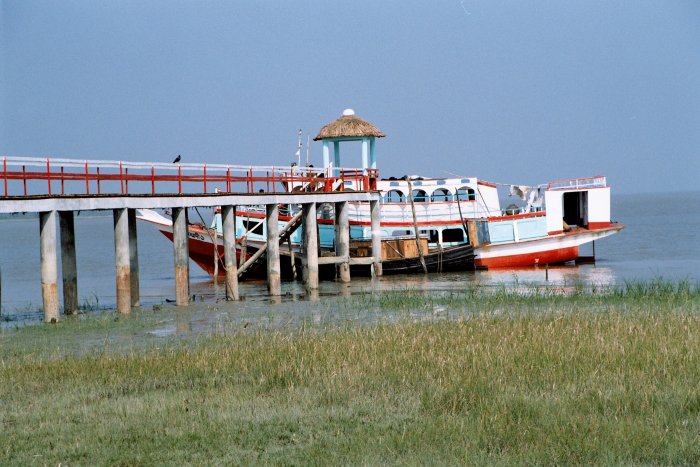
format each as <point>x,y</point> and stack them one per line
<point>603,376</point>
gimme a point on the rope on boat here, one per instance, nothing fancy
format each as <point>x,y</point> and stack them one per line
<point>217,255</point>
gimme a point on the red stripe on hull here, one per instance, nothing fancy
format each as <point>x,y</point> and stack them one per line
<point>561,255</point>
<point>598,225</point>
<point>202,253</point>
<point>525,215</point>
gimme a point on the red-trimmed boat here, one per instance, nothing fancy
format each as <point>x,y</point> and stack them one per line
<point>546,223</point>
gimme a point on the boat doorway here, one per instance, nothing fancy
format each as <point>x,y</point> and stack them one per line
<point>576,208</point>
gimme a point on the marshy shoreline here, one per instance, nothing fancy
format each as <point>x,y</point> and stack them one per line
<point>537,375</point>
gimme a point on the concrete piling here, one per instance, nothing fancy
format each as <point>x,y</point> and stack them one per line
<point>310,270</point>
<point>182,259</point>
<point>123,260</point>
<point>69,267</point>
<point>228,214</point>
<point>273,249</point>
<point>134,259</point>
<point>342,240</point>
<point>375,213</point>
<point>49,265</point>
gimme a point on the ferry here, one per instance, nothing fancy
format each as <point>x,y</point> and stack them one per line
<point>539,225</point>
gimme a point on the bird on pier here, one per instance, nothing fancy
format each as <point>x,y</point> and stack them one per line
<point>177,159</point>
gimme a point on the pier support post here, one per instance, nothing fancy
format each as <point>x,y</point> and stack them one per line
<point>69,267</point>
<point>310,273</point>
<point>123,261</point>
<point>134,259</point>
<point>342,240</point>
<point>228,214</point>
<point>375,213</point>
<point>273,249</point>
<point>49,265</point>
<point>182,257</point>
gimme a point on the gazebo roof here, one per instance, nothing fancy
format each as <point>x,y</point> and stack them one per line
<point>349,125</point>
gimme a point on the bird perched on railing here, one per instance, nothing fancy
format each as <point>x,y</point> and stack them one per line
<point>177,159</point>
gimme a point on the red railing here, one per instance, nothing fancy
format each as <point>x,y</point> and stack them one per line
<point>28,176</point>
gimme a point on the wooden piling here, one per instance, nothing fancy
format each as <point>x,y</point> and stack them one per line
<point>342,240</point>
<point>310,270</point>
<point>69,266</point>
<point>182,260</point>
<point>375,214</point>
<point>228,214</point>
<point>49,265</point>
<point>123,261</point>
<point>273,249</point>
<point>134,259</point>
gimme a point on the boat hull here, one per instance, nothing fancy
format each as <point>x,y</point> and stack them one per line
<point>554,249</point>
<point>457,258</point>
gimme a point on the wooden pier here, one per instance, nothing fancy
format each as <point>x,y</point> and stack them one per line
<point>61,187</point>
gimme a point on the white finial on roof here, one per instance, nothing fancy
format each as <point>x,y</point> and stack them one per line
<point>348,112</point>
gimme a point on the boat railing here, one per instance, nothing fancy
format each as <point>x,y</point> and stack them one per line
<point>512,211</point>
<point>31,176</point>
<point>576,183</point>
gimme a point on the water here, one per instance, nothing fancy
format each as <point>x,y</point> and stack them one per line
<point>662,240</point>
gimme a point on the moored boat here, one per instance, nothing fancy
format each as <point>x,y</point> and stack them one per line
<point>542,224</point>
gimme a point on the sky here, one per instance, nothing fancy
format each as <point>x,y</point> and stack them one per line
<point>511,91</point>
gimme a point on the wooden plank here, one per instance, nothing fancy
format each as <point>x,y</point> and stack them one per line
<point>333,259</point>
<point>366,261</point>
<point>288,229</point>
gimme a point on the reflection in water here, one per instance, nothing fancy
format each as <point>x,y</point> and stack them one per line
<point>313,295</point>
<point>328,307</point>
<point>275,299</point>
<point>553,276</point>
<point>209,308</point>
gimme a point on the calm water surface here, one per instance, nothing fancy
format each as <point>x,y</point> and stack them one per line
<point>662,240</point>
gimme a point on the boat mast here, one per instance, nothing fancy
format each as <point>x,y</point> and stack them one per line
<point>299,149</point>
<point>308,148</point>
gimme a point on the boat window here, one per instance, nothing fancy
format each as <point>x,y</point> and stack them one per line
<point>255,224</point>
<point>401,233</point>
<point>441,194</point>
<point>452,235</point>
<point>466,194</point>
<point>432,235</point>
<point>420,196</point>
<point>394,196</point>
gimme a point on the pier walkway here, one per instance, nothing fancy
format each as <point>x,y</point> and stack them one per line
<point>57,188</point>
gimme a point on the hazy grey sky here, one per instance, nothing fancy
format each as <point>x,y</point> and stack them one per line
<point>510,91</point>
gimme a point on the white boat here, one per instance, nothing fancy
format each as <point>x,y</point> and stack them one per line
<point>542,224</point>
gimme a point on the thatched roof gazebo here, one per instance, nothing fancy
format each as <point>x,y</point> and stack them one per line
<point>349,127</point>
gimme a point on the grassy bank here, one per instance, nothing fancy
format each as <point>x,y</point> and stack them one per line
<point>542,377</point>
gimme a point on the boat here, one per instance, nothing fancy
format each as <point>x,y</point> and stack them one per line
<point>400,256</point>
<point>541,224</point>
